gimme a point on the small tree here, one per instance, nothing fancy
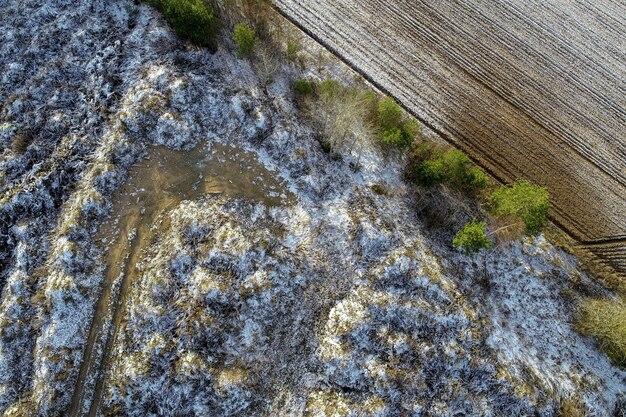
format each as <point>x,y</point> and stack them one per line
<point>245,39</point>
<point>302,87</point>
<point>525,201</point>
<point>461,174</point>
<point>389,113</point>
<point>292,51</point>
<point>397,137</point>
<point>191,19</point>
<point>430,172</point>
<point>431,166</point>
<point>472,238</point>
<point>329,90</point>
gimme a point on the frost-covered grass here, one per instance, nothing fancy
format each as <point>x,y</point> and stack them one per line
<point>341,303</point>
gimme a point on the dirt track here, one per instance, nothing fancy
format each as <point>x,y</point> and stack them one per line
<point>528,88</point>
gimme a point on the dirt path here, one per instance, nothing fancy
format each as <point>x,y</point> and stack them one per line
<point>528,89</point>
<point>154,187</point>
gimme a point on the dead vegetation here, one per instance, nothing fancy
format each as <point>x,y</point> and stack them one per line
<point>605,320</point>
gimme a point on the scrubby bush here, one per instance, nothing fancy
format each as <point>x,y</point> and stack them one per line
<point>393,137</point>
<point>369,100</point>
<point>329,90</point>
<point>472,238</point>
<point>245,39</point>
<point>462,174</point>
<point>191,19</point>
<point>431,172</point>
<point>389,114</point>
<point>431,166</point>
<point>20,143</point>
<point>396,131</point>
<point>339,112</point>
<point>525,201</point>
<point>378,189</point>
<point>293,49</point>
<point>302,87</point>
<point>605,320</point>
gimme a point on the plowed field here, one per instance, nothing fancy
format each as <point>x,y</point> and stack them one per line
<point>530,89</point>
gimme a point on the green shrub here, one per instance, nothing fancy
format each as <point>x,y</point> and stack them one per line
<point>411,128</point>
<point>524,200</point>
<point>472,238</point>
<point>302,87</point>
<point>327,147</point>
<point>461,174</point>
<point>191,19</point>
<point>431,166</point>
<point>431,172</point>
<point>370,105</point>
<point>605,320</point>
<point>293,49</point>
<point>396,137</point>
<point>329,90</point>
<point>395,131</point>
<point>475,179</point>
<point>389,114</point>
<point>245,39</point>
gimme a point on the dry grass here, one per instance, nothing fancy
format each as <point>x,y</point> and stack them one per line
<point>571,407</point>
<point>20,143</point>
<point>589,262</point>
<point>605,320</point>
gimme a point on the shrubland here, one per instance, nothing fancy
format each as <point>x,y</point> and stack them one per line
<point>432,165</point>
<point>524,202</point>
<point>203,319</point>
<point>347,116</point>
<point>191,19</point>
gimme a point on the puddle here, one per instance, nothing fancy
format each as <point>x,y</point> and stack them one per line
<point>153,188</point>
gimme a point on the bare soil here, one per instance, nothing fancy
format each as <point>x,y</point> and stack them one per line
<point>529,89</point>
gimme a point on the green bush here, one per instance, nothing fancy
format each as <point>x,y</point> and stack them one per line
<point>475,179</point>
<point>245,39</point>
<point>431,166</point>
<point>379,189</point>
<point>606,321</point>
<point>524,200</point>
<point>461,174</point>
<point>302,87</point>
<point>191,19</point>
<point>472,238</point>
<point>20,143</point>
<point>389,114</point>
<point>370,105</point>
<point>395,131</point>
<point>411,128</point>
<point>329,90</point>
<point>293,49</point>
<point>396,137</point>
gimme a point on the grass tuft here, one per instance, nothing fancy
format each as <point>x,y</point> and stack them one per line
<point>605,320</point>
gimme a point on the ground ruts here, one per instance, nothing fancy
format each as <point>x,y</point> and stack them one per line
<point>528,89</point>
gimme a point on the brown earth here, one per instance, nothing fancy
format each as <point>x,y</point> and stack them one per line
<point>529,89</point>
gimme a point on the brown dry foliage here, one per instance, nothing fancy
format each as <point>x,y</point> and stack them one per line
<point>20,143</point>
